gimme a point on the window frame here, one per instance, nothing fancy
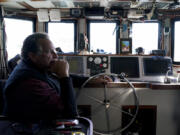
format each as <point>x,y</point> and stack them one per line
<point>106,21</point>
<point>172,40</point>
<point>159,46</point>
<point>24,18</point>
<point>75,30</point>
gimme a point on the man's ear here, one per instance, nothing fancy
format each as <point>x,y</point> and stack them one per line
<point>32,56</point>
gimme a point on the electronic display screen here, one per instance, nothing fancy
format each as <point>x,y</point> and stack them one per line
<point>157,66</point>
<point>76,65</point>
<point>127,65</point>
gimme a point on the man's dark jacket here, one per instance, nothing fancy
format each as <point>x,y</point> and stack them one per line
<point>47,98</point>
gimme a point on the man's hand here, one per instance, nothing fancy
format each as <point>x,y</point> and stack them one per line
<point>101,79</point>
<point>60,68</point>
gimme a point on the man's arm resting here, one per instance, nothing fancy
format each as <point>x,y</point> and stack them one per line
<point>68,97</point>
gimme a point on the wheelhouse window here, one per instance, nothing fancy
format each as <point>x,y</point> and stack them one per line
<point>16,31</point>
<point>102,37</point>
<point>62,35</point>
<point>176,41</point>
<point>145,35</point>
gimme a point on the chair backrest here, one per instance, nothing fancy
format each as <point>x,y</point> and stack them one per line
<point>2,84</point>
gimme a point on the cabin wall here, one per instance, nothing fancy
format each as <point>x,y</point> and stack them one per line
<point>167,102</point>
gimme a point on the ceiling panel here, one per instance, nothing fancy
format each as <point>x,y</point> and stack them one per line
<point>12,4</point>
<point>59,4</point>
<point>86,4</point>
<point>41,4</point>
<point>125,4</point>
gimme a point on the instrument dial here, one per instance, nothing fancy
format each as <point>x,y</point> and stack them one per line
<point>97,60</point>
<point>90,59</point>
<point>104,65</point>
<point>104,59</point>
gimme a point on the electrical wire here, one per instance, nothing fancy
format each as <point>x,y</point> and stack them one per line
<point>106,103</point>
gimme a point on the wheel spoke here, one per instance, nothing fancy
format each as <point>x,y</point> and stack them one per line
<point>107,119</point>
<point>119,108</point>
<point>116,95</point>
<point>97,109</point>
<point>94,99</point>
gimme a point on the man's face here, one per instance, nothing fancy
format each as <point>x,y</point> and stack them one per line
<point>46,56</point>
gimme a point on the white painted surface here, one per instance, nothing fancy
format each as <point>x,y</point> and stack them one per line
<point>167,102</point>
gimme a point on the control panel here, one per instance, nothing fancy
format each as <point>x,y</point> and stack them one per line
<point>137,68</point>
<point>97,64</point>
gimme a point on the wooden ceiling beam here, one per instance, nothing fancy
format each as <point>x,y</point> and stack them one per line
<point>4,0</point>
<point>24,4</point>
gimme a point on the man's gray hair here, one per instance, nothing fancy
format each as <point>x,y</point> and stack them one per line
<point>30,44</point>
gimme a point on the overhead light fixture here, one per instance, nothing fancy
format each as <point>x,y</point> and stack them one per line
<point>55,15</point>
<point>43,15</point>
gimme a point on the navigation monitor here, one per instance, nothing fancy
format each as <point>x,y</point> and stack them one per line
<point>76,64</point>
<point>127,65</point>
<point>157,65</point>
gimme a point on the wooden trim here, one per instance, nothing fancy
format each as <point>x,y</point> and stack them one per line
<point>24,4</point>
<point>103,55</point>
<point>140,106</point>
<point>153,86</point>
